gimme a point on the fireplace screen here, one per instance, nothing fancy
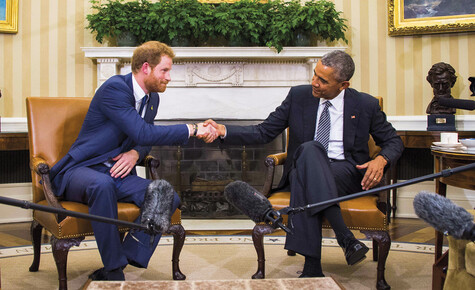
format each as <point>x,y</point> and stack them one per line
<point>199,172</point>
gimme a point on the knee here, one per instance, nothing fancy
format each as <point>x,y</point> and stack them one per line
<point>310,148</point>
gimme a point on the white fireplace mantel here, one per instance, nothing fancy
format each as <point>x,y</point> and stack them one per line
<point>220,82</point>
<point>218,52</point>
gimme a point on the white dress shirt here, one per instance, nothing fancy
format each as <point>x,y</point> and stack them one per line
<point>335,144</point>
<point>138,95</point>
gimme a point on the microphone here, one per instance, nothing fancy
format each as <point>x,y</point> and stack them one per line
<point>445,216</point>
<point>156,209</point>
<point>456,103</point>
<point>253,204</point>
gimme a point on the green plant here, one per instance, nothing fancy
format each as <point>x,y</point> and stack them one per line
<point>246,22</point>
<point>114,17</point>
<point>243,22</point>
<point>185,20</point>
<point>317,18</point>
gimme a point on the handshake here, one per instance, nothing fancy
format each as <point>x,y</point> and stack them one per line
<point>208,130</point>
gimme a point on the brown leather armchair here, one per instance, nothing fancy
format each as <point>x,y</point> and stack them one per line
<point>368,214</point>
<point>53,126</point>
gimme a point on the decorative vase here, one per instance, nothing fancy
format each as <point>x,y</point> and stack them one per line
<point>126,38</point>
<point>302,39</point>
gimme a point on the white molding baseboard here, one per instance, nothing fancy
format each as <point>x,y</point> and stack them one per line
<point>12,214</point>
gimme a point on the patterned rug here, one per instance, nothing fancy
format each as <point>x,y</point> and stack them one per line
<point>409,265</point>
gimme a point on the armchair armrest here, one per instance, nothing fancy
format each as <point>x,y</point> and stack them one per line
<point>41,168</point>
<point>152,164</point>
<point>270,162</point>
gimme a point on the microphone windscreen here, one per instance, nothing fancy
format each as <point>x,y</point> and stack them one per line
<point>457,103</point>
<point>442,214</point>
<point>157,207</point>
<point>248,200</point>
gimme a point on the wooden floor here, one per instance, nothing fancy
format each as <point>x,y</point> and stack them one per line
<point>401,230</point>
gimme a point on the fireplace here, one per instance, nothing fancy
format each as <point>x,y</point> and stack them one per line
<point>230,84</point>
<point>199,173</point>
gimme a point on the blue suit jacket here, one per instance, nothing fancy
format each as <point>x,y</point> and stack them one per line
<point>113,126</point>
<point>362,117</point>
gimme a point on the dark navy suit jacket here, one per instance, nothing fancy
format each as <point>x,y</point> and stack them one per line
<point>362,117</point>
<point>113,126</point>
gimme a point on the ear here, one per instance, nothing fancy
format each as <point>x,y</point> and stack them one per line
<point>146,69</point>
<point>344,85</point>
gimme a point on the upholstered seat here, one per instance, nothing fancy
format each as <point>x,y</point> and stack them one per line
<point>53,126</point>
<point>367,214</point>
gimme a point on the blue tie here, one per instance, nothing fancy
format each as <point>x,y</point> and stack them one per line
<point>142,105</point>
<point>324,125</point>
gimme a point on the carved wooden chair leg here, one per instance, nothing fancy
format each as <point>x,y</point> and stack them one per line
<point>258,233</point>
<point>384,244</point>
<point>375,250</point>
<point>178,233</point>
<point>60,250</point>
<point>35,230</point>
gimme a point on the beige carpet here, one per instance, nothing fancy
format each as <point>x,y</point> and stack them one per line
<point>409,266</point>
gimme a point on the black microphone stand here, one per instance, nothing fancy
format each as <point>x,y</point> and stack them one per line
<point>29,205</point>
<point>444,173</point>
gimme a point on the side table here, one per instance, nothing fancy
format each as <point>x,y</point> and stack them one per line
<point>444,160</point>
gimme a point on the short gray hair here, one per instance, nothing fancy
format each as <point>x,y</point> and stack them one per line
<point>341,62</point>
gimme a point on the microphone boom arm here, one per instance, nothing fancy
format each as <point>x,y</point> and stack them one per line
<point>443,173</point>
<point>29,205</point>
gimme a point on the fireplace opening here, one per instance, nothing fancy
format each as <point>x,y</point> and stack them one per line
<point>199,173</point>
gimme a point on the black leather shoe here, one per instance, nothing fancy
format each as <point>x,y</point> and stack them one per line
<point>97,275</point>
<point>103,275</point>
<point>355,252</point>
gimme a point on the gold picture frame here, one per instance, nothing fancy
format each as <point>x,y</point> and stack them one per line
<point>407,17</point>
<point>9,16</point>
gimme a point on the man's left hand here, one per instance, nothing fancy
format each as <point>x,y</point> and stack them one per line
<point>125,162</point>
<point>374,172</point>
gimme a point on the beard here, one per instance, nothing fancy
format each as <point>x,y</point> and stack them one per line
<point>153,84</point>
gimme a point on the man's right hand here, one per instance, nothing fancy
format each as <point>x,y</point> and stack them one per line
<point>221,129</point>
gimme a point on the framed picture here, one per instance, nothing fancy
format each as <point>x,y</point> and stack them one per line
<point>9,16</point>
<point>406,17</point>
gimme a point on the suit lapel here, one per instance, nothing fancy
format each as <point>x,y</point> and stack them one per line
<point>310,116</point>
<point>152,107</point>
<point>350,120</point>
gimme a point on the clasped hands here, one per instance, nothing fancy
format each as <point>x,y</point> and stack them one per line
<point>208,131</point>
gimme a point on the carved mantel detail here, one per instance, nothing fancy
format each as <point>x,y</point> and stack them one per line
<point>214,74</point>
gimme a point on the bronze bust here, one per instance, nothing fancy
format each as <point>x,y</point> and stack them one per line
<point>441,78</point>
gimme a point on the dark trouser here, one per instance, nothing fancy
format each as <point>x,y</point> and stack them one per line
<point>314,179</point>
<point>95,187</point>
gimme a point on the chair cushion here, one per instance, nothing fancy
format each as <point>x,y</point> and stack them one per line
<point>72,227</point>
<point>359,214</point>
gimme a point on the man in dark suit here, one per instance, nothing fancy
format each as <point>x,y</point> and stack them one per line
<point>325,158</point>
<point>117,133</point>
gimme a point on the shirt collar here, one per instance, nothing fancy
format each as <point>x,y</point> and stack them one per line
<point>337,102</point>
<point>138,92</point>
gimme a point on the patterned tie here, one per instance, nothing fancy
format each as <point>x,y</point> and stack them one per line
<point>324,125</point>
<point>142,105</point>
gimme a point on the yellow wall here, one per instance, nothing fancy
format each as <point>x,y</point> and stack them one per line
<point>51,33</point>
